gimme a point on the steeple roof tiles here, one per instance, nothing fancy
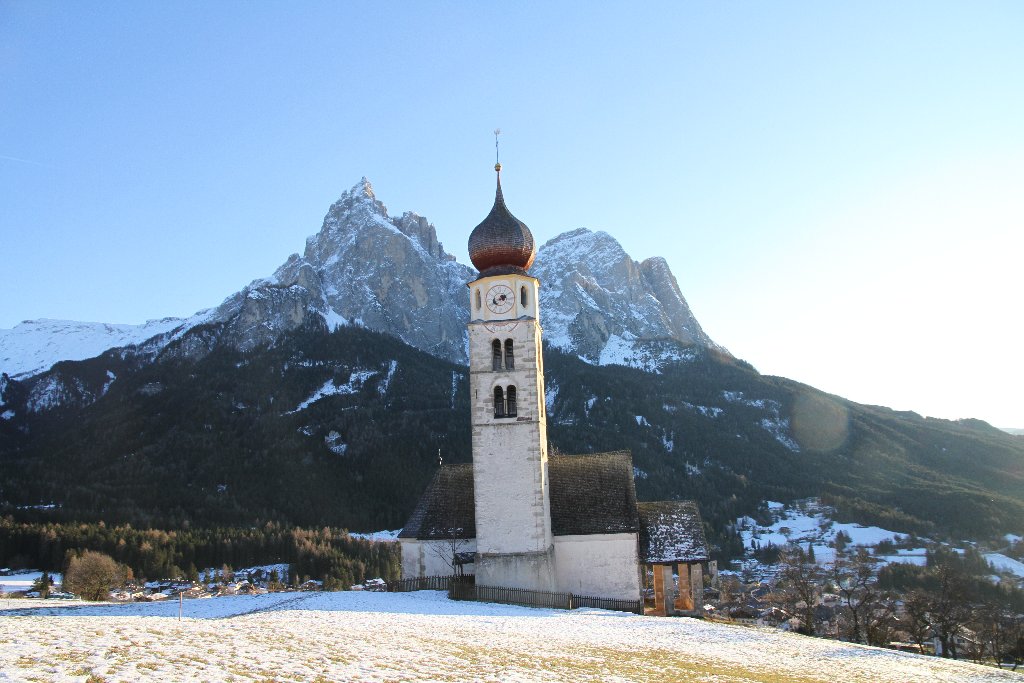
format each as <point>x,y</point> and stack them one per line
<point>501,243</point>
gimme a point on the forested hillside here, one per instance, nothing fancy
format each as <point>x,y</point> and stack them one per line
<point>344,429</point>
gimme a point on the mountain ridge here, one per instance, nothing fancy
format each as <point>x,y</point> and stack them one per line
<point>391,274</point>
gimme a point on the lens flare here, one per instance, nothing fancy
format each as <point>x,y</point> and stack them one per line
<point>819,423</point>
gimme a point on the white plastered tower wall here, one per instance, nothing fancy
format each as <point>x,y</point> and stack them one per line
<point>510,473</point>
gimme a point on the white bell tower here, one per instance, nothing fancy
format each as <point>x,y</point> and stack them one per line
<point>510,459</point>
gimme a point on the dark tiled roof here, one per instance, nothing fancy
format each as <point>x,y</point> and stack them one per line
<point>446,508</point>
<point>671,531</point>
<point>501,243</point>
<point>592,494</point>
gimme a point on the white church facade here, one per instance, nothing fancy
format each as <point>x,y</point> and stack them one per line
<point>518,517</point>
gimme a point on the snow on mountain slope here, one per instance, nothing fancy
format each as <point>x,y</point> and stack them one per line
<point>1006,564</point>
<point>35,345</point>
<point>390,274</point>
<point>605,307</point>
<point>362,268</point>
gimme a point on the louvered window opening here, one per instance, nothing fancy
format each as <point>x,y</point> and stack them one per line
<point>499,402</point>
<point>510,362</point>
<point>505,402</point>
<point>496,355</point>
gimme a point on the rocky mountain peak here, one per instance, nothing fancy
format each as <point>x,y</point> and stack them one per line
<point>602,305</point>
<point>364,267</point>
<point>420,229</point>
<point>362,191</point>
<point>589,254</point>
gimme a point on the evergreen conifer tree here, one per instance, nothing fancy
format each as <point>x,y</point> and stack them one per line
<point>43,585</point>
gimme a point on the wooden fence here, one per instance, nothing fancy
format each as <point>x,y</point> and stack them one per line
<point>465,588</point>
<point>423,583</point>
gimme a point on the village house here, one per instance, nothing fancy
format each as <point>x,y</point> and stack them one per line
<point>517,516</point>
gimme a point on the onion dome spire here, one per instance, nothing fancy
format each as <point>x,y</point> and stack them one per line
<point>501,243</point>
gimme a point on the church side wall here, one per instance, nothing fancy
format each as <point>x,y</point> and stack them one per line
<point>599,565</point>
<point>532,571</point>
<point>432,558</point>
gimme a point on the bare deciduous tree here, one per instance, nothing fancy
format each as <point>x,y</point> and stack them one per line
<point>949,607</point>
<point>799,588</point>
<point>867,613</point>
<point>91,575</point>
<point>915,620</point>
<point>449,549</point>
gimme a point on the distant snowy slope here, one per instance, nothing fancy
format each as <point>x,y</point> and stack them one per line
<point>35,345</point>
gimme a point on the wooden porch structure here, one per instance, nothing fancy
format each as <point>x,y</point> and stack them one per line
<point>682,596</point>
<point>672,545</point>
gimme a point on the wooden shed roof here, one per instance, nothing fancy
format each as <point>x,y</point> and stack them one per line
<point>671,532</point>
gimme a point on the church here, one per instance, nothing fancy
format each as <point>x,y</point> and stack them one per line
<point>517,516</point>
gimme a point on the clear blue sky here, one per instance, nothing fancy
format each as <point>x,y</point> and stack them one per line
<point>838,187</point>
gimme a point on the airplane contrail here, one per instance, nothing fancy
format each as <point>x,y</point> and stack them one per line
<point>25,161</point>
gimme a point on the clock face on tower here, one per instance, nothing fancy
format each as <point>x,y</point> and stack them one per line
<point>500,299</point>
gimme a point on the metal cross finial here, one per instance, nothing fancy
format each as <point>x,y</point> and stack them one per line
<point>497,161</point>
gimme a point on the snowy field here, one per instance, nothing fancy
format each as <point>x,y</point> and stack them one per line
<point>376,637</point>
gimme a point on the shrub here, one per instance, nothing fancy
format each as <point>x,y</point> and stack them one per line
<point>91,575</point>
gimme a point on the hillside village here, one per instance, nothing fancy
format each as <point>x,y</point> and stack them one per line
<point>212,583</point>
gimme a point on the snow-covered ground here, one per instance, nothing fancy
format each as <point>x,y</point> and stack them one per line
<point>810,524</point>
<point>421,637</point>
<point>379,536</point>
<point>1002,563</point>
<point>23,581</point>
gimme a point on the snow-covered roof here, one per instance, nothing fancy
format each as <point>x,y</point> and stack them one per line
<point>671,532</point>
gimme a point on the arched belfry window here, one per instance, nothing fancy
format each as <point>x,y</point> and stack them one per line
<point>478,303</point>
<point>522,297</point>
<point>495,355</point>
<point>499,402</point>
<point>510,402</point>
<point>510,361</point>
